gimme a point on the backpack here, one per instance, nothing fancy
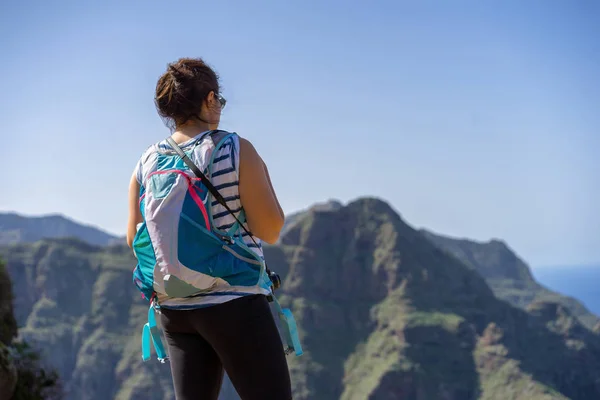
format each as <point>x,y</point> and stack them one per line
<point>179,251</point>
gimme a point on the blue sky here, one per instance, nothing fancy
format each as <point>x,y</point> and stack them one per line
<point>471,119</point>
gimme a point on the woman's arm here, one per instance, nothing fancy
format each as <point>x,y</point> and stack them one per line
<point>273,190</point>
<point>263,212</point>
<point>135,216</point>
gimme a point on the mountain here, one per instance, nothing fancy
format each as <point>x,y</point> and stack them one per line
<point>509,277</point>
<point>16,228</point>
<point>383,313</point>
<point>386,314</point>
<point>291,219</point>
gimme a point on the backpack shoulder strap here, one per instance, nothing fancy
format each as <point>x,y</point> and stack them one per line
<point>219,136</point>
<point>197,172</point>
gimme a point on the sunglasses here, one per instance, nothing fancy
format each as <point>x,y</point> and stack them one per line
<point>221,100</point>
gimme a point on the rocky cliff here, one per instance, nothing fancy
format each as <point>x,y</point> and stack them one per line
<point>23,376</point>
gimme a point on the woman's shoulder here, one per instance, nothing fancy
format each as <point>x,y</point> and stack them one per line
<point>143,159</point>
<point>247,148</point>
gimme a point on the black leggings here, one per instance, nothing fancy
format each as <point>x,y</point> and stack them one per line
<point>239,336</point>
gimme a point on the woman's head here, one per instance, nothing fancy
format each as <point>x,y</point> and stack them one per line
<point>188,92</point>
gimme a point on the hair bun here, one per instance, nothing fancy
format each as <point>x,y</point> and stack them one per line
<point>181,90</point>
<point>180,72</point>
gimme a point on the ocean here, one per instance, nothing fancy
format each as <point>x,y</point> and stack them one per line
<point>580,282</point>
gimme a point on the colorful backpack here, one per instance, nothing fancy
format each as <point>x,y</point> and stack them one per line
<point>179,252</point>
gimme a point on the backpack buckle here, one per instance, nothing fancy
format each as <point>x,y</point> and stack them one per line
<point>227,239</point>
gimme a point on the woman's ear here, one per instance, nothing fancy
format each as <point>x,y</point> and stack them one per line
<point>211,98</point>
<point>209,103</point>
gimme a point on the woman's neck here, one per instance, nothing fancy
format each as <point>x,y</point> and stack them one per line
<point>190,130</point>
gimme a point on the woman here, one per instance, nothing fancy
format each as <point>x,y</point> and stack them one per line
<point>227,330</point>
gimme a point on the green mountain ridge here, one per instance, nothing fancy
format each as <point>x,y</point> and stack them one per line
<point>509,277</point>
<point>383,313</point>
<point>291,219</point>
<point>420,304</point>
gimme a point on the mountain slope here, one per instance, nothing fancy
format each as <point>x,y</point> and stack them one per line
<point>291,219</point>
<point>22,375</point>
<point>509,277</point>
<point>405,320</point>
<point>15,228</point>
<point>75,302</point>
<point>383,314</point>
<point>8,330</point>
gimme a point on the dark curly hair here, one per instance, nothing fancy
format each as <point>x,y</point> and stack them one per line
<point>181,90</point>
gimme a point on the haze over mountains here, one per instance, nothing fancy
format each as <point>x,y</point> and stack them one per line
<point>17,228</point>
<point>385,311</point>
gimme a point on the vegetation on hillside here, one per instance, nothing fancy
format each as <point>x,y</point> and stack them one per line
<point>23,375</point>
